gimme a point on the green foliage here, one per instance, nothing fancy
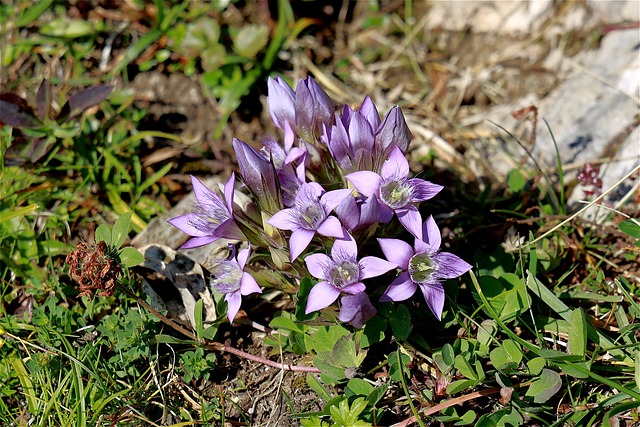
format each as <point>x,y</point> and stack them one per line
<point>196,365</point>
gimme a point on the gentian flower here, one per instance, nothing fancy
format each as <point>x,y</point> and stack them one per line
<point>341,273</point>
<point>259,175</point>
<point>211,219</point>
<point>359,141</point>
<point>395,191</point>
<point>422,266</point>
<point>306,109</point>
<point>231,280</point>
<point>310,215</point>
<point>358,212</point>
<point>356,309</point>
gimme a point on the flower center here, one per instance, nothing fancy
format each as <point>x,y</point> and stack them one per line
<point>395,192</point>
<point>344,273</point>
<point>227,275</point>
<point>421,266</point>
<point>311,215</point>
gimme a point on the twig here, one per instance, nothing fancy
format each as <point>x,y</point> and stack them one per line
<point>455,401</point>
<point>217,346</point>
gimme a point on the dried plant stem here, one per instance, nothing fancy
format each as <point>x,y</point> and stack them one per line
<point>217,346</point>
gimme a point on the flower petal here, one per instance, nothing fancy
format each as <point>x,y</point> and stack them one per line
<point>331,227</point>
<point>410,218</point>
<point>397,165</point>
<point>242,257</point>
<point>400,289</point>
<point>317,265</point>
<point>284,220</point>
<point>370,112</point>
<point>449,266</point>
<point>397,252</point>
<point>248,285</point>
<point>393,132</point>
<point>349,213</point>
<point>371,266</point>
<point>280,101</point>
<point>366,182</point>
<point>228,191</point>
<point>299,241</point>
<point>229,230</point>
<point>321,295</point>
<point>233,304</point>
<point>434,296</point>
<point>356,309</point>
<point>202,192</point>
<point>196,242</point>
<point>346,246</point>
<point>423,190</point>
<point>331,199</point>
<point>354,288</point>
<point>431,235</point>
<point>185,223</point>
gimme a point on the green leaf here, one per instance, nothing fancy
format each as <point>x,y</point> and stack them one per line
<point>507,356</point>
<point>466,419</point>
<point>346,416</point>
<point>630,227</point>
<point>358,387</point>
<point>536,365</point>
<point>374,331</point>
<point>400,322</point>
<point>395,372</point>
<point>506,294</point>
<point>315,385</point>
<point>197,315</point>
<point>464,367</point>
<point>325,338</point>
<point>120,230</point>
<point>458,386</point>
<point>377,394</point>
<point>516,181</point>
<point>32,13</point>
<point>578,333</point>
<point>543,388</point>
<point>103,234</point>
<point>130,257</point>
<point>251,39</point>
<point>67,28</point>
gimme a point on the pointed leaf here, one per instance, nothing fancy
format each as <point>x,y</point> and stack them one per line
<point>82,100</point>
<point>543,388</point>
<point>18,116</point>
<point>130,257</point>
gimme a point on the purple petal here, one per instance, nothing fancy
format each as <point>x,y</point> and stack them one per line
<point>228,191</point>
<point>331,227</point>
<point>349,213</point>
<point>449,266</point>
<point>423,190</point>
<point>400,289</point>
<point>322,295</point>
<point>434,296</point>
<point>346,246</point>
<point>354,288</point>
<point>185,224</point>
<point>299,241</point>
<point>229,230</point>
<point>248,285</point>
<point>289,137</point>
<point>370,112</point>
<point>356,309</point>
<point>369,211</point>
<point>242,257</point>
<point>331,199</point>
<point>280,101</point>
<point>317,265</point>
<point>385,213</point>
<point>393,131</point>
<point>233,304</point>
<point>360,134</point>
<point>371,266</point>
<point>366,182</point>
<point>196,242</point>
<point>397,252</point>
<point>411,219</point>
<point>283,220</point>
<point>397,165</point>
<point>431,235</point>
<point>202,192</point>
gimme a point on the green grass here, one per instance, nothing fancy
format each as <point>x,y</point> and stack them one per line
<point>541,333</point>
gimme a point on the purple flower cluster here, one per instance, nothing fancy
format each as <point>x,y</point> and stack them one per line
<point>307,205</point>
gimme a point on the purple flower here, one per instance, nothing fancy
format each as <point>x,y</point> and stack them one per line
<point>356,309</point>
<point>259,175</point>
<point>341,273</point>
<point>395,192</point>
<point>359,141</point>
<point>423,266</point>
<point>358,212</point>
<point>231,280</point>
<point>310,214</point>
<point>306,109</point>
<point>212,218</point>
